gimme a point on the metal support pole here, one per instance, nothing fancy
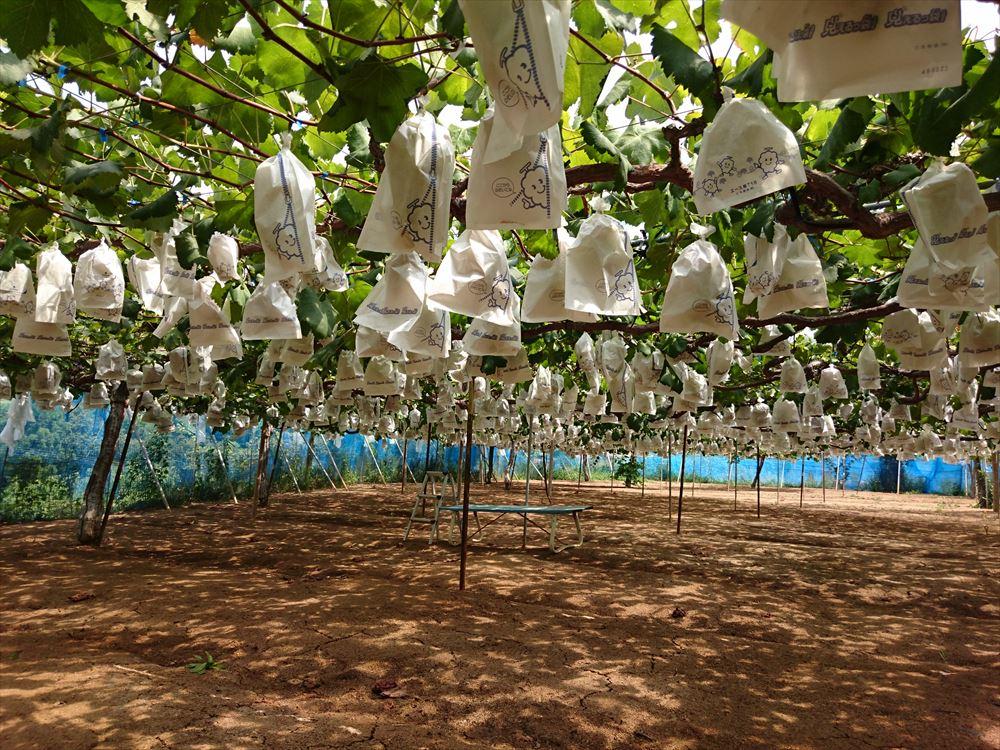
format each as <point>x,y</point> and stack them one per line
<point>527,489</point>
<point>316,457</point>
<point>802,480</point>
<point>375,460</point>
<point>333,461</point>
<point>680,493</point>
<point>465,493</point>
<point>225,469</point>
<point>759,467</point>
<point>152,473</point>
<point>289,467</point>
<point>736,479</point>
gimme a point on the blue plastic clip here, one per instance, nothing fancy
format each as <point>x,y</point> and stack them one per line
<point>102,135</point>
<point>61,72</point>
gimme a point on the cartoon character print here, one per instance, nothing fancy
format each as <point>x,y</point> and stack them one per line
<point>710,187</point>
<point>435,336</point>
<point>286,234</point>
<point>534,186</point>
<point>727,166</point>
<point>957,282</point>
<point>498,295</point>
<point>535,189</point>
<point>518,62</point>
<point>624,287</point>
<point>724,310</point>
<point>769,162</point>
<point>419,225</point>
<point>761,282</point>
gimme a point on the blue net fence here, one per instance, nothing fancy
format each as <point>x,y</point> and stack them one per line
<point>45,475</point>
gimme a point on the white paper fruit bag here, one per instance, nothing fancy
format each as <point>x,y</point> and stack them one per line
<point>831,49</point>
<point>54,300</point>
<point>521,46</point>
<point>270,314</point>
<point>699,295</point>
<point>395,300</point>
<point>284,210</point>
<point>412,206</point>
<point>474,279</point>
<point>800,284</point>
<point>746,153</point>
<point>600,271</point>
<point>545,290</point>
<point>99,284</point>
<point>524,190</point>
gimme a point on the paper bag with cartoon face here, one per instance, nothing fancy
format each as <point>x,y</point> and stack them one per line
<point>600,271</point>
<point>524,190</point>
<point>522,49</point>
<point>284,210</point>
<point>412,206</point>
<point>746,153</point>
<point>474,279</point>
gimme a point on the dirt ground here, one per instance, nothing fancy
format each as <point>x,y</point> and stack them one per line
<point>867,621</point>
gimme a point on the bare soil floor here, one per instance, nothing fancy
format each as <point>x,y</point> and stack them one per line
<point>870,621</point>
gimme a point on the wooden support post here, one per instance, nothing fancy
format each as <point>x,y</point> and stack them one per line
<point>736,478</point>
<point>118,476</point>
<point>406,443</point>
<point>465,491</point>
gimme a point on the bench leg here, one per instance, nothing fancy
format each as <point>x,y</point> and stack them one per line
<point>451,528</point>
<point>579,530</point>
<point>553,524</point>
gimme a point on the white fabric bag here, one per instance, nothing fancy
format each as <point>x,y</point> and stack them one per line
<point>720,360</point>
<point>800,284</point>
<point>869,374</point>
<point>99,284</point>
<point>54,300</point>
<point>979,341</point>
<point>210,324</point>
<point>371,343</point>
<point>746,153</point>
<point>328,275</point>
<point>111,364</point>
<point>764,262</point>
<point>51,339</point>
<point>915,339</point>
<point>600,271</point>
<point>270,314</point>
<point>782,348</point>
<point>483,338</point>
<point>699,295</point>
<point>17,290</point>
<point>785,417</point>
<point>412,206</point>
<point>284,210</point>
<point>524,190</point>
<point>396,299</point>
<point>223,255</point>
<point>474,279</point>
<point>829,49</point>
<point>812,403</point>
<point>428,334</point>
<point>831,383</point>
<point>145,276</point>
<point>545,291</point>
<point>521,48</point>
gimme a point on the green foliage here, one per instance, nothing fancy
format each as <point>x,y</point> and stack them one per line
<point>204,663</point>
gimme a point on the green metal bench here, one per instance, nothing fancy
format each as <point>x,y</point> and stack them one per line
<point>555,512</point>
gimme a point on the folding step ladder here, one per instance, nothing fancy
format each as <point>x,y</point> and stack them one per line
<point>440,489</point>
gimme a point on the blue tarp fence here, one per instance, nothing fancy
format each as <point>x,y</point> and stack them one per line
<point>44,476</point>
